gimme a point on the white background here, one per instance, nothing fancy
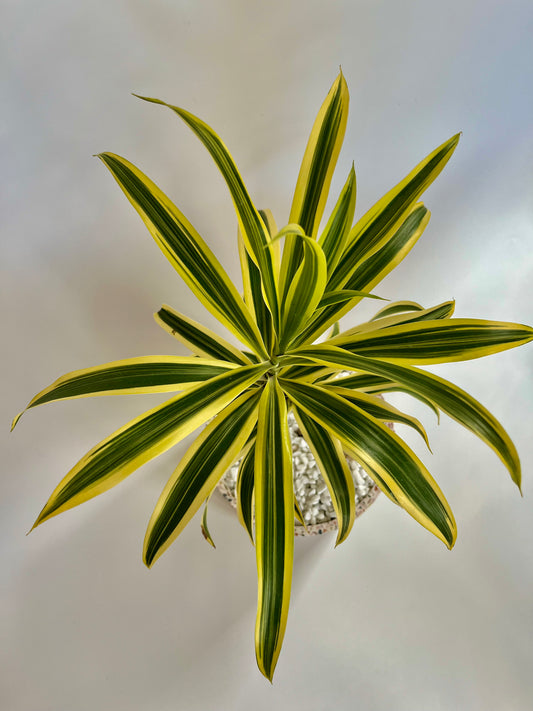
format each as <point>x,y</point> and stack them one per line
<point>390,620</point>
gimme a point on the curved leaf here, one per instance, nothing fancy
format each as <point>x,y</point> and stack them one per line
<point>274,525</point>
<point>305,291</point>
<point>378,408</point>
<point>374,445</point>
<point>455,402</point>
<point>253,228</point>
<point>186,250</point>
<point>398,307</point>
<point>440,311</point>
<point>146,437</point>
<point>198,472</point>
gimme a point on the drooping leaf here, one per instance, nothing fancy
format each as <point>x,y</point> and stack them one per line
<point>274,525</point>
<point>374,445</point>
<point>198,472</point>
<point>146,437</point>
<point>204,527</point>
<point>186,251</point>
<point>455,402</point>
<point>330,458</point>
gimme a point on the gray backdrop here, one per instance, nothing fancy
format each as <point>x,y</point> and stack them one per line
<point>390,620</point>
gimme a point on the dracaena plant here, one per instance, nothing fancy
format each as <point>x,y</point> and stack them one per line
<point>291,297</point>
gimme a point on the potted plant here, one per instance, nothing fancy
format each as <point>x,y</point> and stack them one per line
<point>291,298</point>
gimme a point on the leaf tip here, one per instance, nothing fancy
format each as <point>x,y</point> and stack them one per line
<point>16,419</point>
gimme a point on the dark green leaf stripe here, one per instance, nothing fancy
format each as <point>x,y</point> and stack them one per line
<point>253,228</point>
<point>333,238</point>
<point>377,384</point>
<point>335,471</point>
<point>261,311</point>
<point>145,374</point>
<point>197,337</point>
<point>146,437</point>
<point>274,525</point>
<point>438,341</point>
<point>378,408</point>
<point>185,249</point>
<point>372,270</point>
<point>315,174</point>
<point>325,151</point>
<point>372,443</point>
<point>199,470</point>
<point>374,228</point>
<point>305,291</point>
<point>245,490</point>
<point>455,402</point>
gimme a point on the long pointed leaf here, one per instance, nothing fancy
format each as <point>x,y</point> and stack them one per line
<point>185,250</point>
<point>253,228</point>
<point>274,525</point>
<point>146,437</point>
<point>373,444</point>
<point>373,230</point>
<point>455,402</point>
<point>244,490</point>
<point>371,271</point>
<point>197,474</point>
<point>145,374</point>
<point>437,341</point>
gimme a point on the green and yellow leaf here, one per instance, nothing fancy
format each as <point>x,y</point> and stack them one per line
<point>145,374</point>
<point>368,273</point>
<point>437,341</point>
<point>253,228</point>
<point>375,228</point>
<point>333,238</point>
<point>244,491</point>
<point>374,445</point>
<point>274,525</point>
<point>146,437</point>
<point>198,472</point>
<point>186,251</point>
<point>455,402</point>
<point>199,339</point>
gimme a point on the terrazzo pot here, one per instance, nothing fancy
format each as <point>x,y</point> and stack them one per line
<point>310,488</point>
